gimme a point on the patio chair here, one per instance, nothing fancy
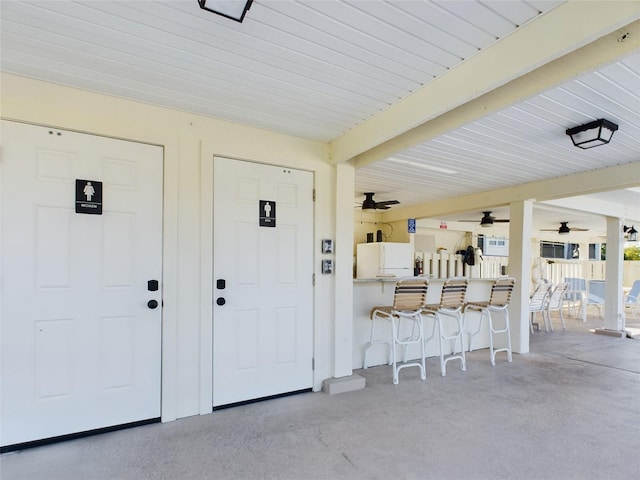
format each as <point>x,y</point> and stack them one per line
<point>632,299</point>
<point>538,304</point>
<point>408,301</point>
<point>451,303</point>
<point>595,295</point>
<point>498,302</point>
<point>576,296</point>
<point>555,303</point>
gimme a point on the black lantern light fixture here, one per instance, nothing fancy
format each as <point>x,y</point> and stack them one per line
<point>232,9</point>
<point>592,134</point>
<point>632,233</point>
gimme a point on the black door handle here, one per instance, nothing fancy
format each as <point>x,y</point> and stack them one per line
<point>220,301</point>
<point>152,304</point>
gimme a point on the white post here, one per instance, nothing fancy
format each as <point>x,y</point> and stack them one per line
<point>613,294</point>
<point>521,214</point>
<point>343,318</point>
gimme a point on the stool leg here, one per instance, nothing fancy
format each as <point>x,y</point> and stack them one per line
<point>461,335</point>
<point>506,331</point>
<point>423,355</point>
<point>443,368</point>
<point>491,352</point>
<point>394,334</point>
<point>508,328</point>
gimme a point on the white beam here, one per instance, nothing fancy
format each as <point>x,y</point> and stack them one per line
<point>584,183</point>
<point>545,39</point>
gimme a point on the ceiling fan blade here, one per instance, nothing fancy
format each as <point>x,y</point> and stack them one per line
<point>387,202</point>
<point>501,220</point>
<point>382,207</point>
<point>579,229</point>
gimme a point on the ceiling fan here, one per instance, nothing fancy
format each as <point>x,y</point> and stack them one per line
<point>370,204</point>
<point>487,220</point>
<point>564,229</point>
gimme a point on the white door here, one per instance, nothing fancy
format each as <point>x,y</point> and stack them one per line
<point>263,252</point>
<point>80,345</point>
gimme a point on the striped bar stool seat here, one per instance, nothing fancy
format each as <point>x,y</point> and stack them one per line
<point>408,300</point>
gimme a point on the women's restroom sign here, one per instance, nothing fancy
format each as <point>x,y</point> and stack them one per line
<point>267,213</point>
<point>89,197</point>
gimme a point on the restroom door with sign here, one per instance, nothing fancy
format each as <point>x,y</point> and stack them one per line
<point>263,291</point>
<point>81,268</point>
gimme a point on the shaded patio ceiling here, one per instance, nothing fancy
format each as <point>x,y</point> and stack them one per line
<point>397,87</point>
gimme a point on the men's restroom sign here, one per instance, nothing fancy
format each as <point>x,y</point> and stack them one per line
<point>89,197</point>
<point>267,213</point>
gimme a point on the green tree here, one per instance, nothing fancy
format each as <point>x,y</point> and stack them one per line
<point>632,253</point>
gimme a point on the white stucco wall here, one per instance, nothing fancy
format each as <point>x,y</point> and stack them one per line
<point>189,141</point>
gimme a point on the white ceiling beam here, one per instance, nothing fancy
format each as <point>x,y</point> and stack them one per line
<point>598,206</point>
<point>584,183</point>
<point>424,114</point>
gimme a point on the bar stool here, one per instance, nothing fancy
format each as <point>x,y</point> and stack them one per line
<point>408,300</point>
<point>451,303</point>
<point>498,302</point>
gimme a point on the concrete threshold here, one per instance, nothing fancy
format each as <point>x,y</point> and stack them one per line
<point>333,386</point>
<point>610,333</point>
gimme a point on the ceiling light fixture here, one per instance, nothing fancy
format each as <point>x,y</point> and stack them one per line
<point>592,134</point>
<point>632,233</point>
<point>232,9</point>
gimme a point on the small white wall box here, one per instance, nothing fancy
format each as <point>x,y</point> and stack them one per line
<point>327,245</point>
<point>327,266</point>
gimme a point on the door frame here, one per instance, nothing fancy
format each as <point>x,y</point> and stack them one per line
<point>164,354</point>
<point>206,275</point>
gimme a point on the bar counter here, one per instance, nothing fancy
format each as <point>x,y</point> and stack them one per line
<point>379,291</point>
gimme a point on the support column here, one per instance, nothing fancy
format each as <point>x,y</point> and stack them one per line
<point>343,378</point>
<point>613,293</point>
<point>521,214</point>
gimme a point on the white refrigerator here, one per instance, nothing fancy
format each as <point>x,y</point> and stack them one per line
<point>384,259</point>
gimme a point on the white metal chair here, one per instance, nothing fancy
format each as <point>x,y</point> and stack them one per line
<point>538,304</point>
<point>451,304</point>
<point>408,301</point>
<point>576,296</point>
<point>632,299</point>
<point>556,302</point>
<point>595,295</point>
<point>501,291</point>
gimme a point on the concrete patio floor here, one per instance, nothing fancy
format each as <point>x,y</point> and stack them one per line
<point>569,409</point>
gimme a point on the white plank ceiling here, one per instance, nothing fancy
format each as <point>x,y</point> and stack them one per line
<point>318,69</point>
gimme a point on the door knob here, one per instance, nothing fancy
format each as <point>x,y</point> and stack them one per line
<point>152,304</point>
<point>220,301</point>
